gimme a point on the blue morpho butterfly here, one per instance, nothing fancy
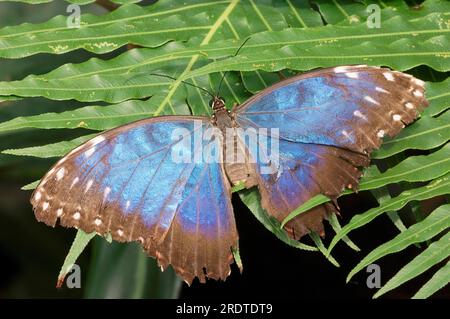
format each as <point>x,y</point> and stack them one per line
<point>126,182</point>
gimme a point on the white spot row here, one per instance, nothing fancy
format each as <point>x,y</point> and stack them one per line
<point>352,75</point>
<point>89,152</point>
<point>75,180</point>
<point>37,195</point>
<point>378,89</point>
<point>88,185</point>
<point>396,117</point>
<point>60,173</point>
<point>106,193</point>
<point>418,93</point>
<point>345,133</point>
<point>360,115</point>
<point>371,100</point>
<point>389,76</point>
<point>96,140</point>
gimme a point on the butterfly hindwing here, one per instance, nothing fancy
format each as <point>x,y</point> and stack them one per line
<point>126,182</point>
<point>329,121</point>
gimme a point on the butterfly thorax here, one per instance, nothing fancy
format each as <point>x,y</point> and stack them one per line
<point>237,165</point>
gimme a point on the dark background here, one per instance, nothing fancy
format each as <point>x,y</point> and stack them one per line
<point>31,254</point>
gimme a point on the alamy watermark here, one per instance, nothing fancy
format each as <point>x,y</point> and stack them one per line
<point>248,145</point>
<point>374,16</point>
<point>374,279</point>
<point>74,19</point>
<point>72,277</point>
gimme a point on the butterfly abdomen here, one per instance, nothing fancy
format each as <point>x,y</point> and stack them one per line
<point>237,163</point>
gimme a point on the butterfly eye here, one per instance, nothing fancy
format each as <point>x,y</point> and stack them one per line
<point>222,99</point>
<point>211,102</point>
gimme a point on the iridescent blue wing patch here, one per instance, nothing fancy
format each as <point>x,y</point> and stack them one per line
<point>329,121</point>
<point>140,183</point>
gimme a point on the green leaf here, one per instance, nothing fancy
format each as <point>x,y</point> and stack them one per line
<point>237,258</point>
<point>313,202</point>
<point>107,80</point>
<point>440,279</point>
<point>434,254</point>
<point>413,169</point>
<point>333,220</point>
<point>432,225</point>
<point>121,270</point>
<point>50,150</point>
<point>149,26</point>
<point>437,94</point>
<point>30,186</point>
<point>426,133</point>
<point>252,200</point>
<point>90,117</point>
<point>400,44</point>
<point>437,187</point>
<point>318,241</point>
<point>79,244</point>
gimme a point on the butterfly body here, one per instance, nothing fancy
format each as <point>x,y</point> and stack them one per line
<point>303,136</point>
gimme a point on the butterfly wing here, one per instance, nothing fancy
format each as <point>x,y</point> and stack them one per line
<point>143,182</point>
<point>329,121</point>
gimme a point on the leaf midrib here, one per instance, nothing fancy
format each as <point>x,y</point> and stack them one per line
<point>102,39</point>
<point>416,134</point>
<point>118,20</point>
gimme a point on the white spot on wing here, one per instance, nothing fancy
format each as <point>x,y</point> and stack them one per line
<point>97,221</point>
<point>360,115</point>
<point>389,76</point>
<point>419,82</point>
<point>59,212</point>
<point>88,185</point>
<point>127,205</point>
<point>396,117</point>
<point>89,152</point>
<point>345,133</point>
<point>96,140</point>
<point>45,205</point>
<point>60,173</point>
<point>352,75</point>
<point>409,105</point>
<point>380,133</point>
<point>76,216</point>
<point>418,93</point>
<point>37,196</point>
<point>75,180</point>
<point>120,232</point>
<point>371,100</point>
<point>378,89</point>
<point>340,69</point>
<point>106,193</point>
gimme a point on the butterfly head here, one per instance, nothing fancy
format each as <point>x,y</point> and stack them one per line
<point>217,103</point>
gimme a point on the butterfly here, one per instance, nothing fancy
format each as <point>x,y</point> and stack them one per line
<point>324,124</point>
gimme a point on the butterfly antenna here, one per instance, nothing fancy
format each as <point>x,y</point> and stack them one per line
<point>223,76</point>
<point>188,83</point>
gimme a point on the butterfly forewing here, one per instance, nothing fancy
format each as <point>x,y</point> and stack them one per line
<point>129,182</point>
